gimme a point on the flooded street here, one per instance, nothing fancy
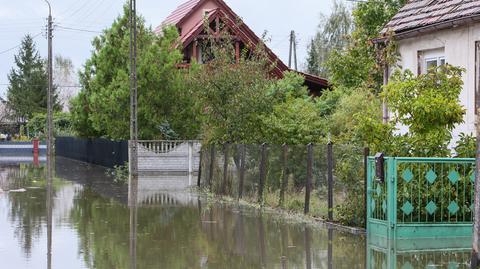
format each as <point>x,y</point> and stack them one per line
<point>93,227</point>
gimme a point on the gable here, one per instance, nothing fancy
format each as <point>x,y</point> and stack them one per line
<point>189,19</point>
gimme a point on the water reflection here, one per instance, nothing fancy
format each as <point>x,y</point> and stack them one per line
<point>80,220</point>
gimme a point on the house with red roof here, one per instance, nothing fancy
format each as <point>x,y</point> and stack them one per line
<point>190,19</point>
<point>430,33</point>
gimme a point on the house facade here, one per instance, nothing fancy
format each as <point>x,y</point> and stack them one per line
<point>190,20</point>
<point>430,33</point>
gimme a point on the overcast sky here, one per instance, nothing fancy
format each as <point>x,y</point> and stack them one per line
<point>20,17</point>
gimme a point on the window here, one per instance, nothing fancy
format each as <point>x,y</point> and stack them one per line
<point>433,63</point>
<point>428,59</point>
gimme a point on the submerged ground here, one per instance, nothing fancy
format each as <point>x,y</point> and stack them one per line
<point>93,227</point>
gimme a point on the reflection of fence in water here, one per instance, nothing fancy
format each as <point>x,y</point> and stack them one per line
<point>294,177</point>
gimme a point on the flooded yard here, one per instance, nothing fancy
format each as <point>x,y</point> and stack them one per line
<point>86,223</point>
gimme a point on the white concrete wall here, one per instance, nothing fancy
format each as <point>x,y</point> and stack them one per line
<point>176,160</point>
<point>459,44</point>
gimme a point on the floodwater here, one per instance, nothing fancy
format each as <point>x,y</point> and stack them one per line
<point>84,221</point>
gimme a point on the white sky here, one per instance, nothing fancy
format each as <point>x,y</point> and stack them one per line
<point>20,17</point>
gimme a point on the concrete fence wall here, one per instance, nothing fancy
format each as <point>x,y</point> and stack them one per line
<point>184,157</point>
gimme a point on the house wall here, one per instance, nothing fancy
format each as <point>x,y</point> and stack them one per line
<point>459,44</point>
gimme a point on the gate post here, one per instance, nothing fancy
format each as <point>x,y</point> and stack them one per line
<point>391,196</point>
<point>190,157</point>
<point>212,163</point>
<point>199,178</point>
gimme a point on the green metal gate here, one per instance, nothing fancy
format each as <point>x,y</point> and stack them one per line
<point>421,198</point>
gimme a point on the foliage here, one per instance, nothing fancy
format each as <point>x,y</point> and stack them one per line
<point>294,122</point>
<point>100,109</point>
<point>233,97</point>
<point>28,82</point>
<point>357,65</point>
<point>38,123</point>
<point>429,106</point>
<point>332,34</point>
<point>343,124</point>
<point>120,174</point>
<point>466,146</point>
<point>64,78</point>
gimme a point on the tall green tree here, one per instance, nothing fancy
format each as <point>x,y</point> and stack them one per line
<point>102,107</point>
<point>233,98</point>
<point>28,82</point>
<point>356,64</point>
<point>332,34</point>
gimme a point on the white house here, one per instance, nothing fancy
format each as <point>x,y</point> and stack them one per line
<point>434,32</point>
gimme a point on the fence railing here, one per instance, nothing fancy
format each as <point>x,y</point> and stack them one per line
<point>160,146</point>
<point>422,197</point>
<point>321,180</point>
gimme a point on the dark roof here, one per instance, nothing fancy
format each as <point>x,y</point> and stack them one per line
<point>422,14</point>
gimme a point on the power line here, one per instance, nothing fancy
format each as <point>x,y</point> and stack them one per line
<point>17,46</point>
<point>78,29</point>
<point>58,86</point>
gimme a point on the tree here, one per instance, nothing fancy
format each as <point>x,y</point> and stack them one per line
<point>294,119</point>
<point>28,82</point>
<point>64,78</point>
<point>428,105</point>
<point>101,107</point>
<point>356,64</point>
<point>233,97</point>
<point>332,34</point>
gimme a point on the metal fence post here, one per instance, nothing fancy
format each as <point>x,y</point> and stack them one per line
<point>212,163</point>
<point>225,168</point>
<point>242,171</point>
<point>330,180</point>
<point>308,185</point>
<point>366,153</point>
<point>263,173</point>
<point>199,178</point>
<point>284,174</point>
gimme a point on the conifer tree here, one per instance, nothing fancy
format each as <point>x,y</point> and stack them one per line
<point>28,82</point>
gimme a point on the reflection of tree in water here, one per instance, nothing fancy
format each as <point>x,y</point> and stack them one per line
<point>189,237</point>
<point>163,234</point>
<point>27,209</point>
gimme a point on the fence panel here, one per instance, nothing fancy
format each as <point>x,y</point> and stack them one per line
<point>348,184</point>
<point>98,151</point>
<point>319,205</point>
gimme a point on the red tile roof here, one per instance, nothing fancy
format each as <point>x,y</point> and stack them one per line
<point>181,11</point>
<point>418,14</point>
<point>249,37</point>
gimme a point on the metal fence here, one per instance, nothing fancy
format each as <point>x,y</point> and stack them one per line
<point>98,151</point>
<point>421,197</point>
<point>325,181</point>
